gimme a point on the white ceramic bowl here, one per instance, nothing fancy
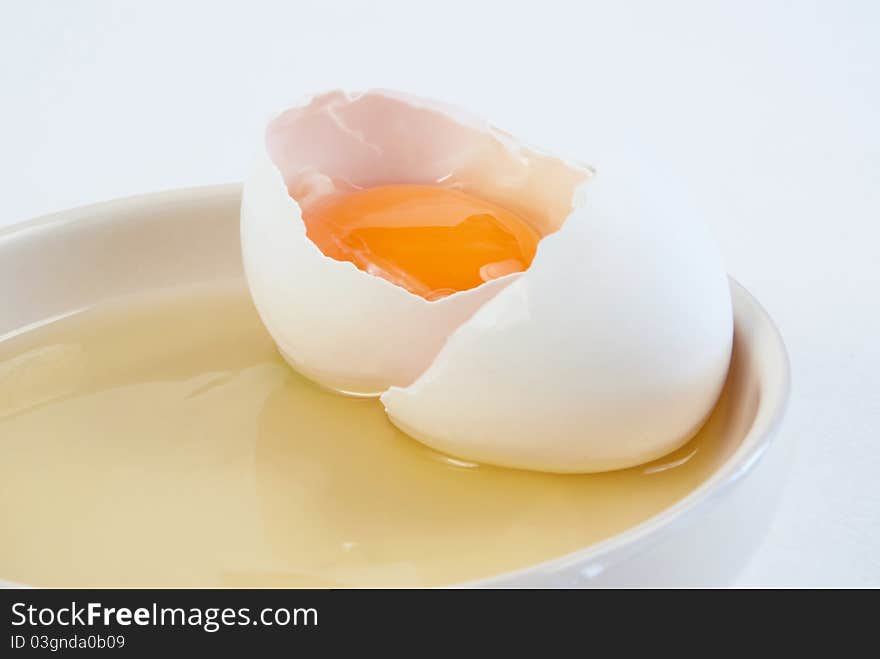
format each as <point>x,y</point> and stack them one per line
<point>56,265</point>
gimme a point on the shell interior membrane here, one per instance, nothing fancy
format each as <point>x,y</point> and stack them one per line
<point>338,143</point>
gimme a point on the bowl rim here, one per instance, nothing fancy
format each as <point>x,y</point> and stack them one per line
<point>592,558</point>
<point>772,405</point>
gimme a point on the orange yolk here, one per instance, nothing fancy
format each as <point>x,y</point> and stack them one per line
<point>432,241</point>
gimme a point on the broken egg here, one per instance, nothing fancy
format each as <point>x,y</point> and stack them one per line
<point>510,309</point>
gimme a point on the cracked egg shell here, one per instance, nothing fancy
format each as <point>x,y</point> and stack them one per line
<point>610,351</point>
<point>340,326</point>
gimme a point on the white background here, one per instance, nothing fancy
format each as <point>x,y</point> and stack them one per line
<point>770,109</point>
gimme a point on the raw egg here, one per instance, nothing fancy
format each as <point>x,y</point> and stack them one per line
<point>510,307</point>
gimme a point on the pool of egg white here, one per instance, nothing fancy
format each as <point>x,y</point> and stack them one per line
<point>162,441</point>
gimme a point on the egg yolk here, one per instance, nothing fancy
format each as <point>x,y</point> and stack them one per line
<point>429,240</point>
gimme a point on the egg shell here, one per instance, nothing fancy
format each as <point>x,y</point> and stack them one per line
<point>346,329</point>
<point>610,351</point>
